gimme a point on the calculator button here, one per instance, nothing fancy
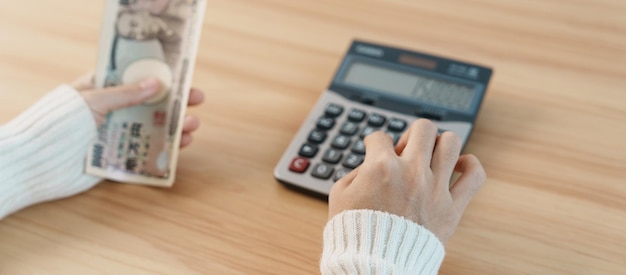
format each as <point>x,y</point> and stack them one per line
<point>359,147</point>
<point>299,165</point>
<point>397,125</point>
<point>356,115</point>
<point>349,128</point>
<point>352,161</point>
<point>341,142</point>
<point>325,123</point>
<point>376,120</point>
<point>341,173</point>
<point>317,136</point>
<point>333,110</point>
<point>367,130</point>
<point>332,156</point>
<point>308,150</point>
<point>394,136</point>
<point>322,171</point>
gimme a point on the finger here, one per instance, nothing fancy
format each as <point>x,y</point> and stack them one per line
<point>472,178</point>
<point>447,150</point>
<point>420,142</point>
<point>118,97</point>
<point>403,141</point>
<point>342,183</point>
<point>84,82</point>
<point>190,124</point>
<point>378,145</point>
<point>186,140</point>
<point>196,97</point>
<point>347,179</point>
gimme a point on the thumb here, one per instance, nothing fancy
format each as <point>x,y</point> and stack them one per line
<point>113,98</point>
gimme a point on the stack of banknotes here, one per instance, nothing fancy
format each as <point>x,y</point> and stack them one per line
<point>142,39</point>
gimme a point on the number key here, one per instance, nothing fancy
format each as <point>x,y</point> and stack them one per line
<point>308,150</point>
<point>349,128</point>
<point>332,156</point>
<point>317,136</point>
<point>341,142</point>
<point>333,110</point>
<point>322,171</point>
<point>359,147</point>
<point>325,123</point>
<point>341,173</point>
<point>376,120</point>
<point>367,130</point>
<point>356,115</point>
<point>397,125</point>
<point>353,161</point>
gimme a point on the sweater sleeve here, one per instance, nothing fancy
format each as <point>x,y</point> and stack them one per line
<point>42,151</point>
<point>374,242</point>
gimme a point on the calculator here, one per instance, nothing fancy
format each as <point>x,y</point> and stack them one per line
<point>379,88</point>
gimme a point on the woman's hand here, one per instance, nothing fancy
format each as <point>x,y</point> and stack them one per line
<point>412,180</point>
<point>105,100</point>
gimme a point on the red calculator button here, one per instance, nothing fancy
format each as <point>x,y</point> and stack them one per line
<point>299,165</point>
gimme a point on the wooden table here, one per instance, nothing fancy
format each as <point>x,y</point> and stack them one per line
<point>551,135</point>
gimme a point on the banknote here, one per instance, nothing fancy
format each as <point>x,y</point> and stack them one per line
<point>141,39</point>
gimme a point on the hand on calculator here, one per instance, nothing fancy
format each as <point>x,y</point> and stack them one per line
<point>412,179</point>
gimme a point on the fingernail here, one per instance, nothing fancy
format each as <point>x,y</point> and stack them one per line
<point>150,85</point>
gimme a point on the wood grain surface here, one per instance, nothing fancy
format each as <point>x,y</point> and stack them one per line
<point>551,135</point>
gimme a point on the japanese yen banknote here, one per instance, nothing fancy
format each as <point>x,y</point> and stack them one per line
<point>141,39</point>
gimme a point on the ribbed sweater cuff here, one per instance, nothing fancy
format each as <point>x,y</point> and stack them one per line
<point>42,151</point>
<point>374,242</point>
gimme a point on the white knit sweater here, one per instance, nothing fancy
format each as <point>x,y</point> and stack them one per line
<point>373,242</point>
<point>42,151</point>
<point>42,158</point>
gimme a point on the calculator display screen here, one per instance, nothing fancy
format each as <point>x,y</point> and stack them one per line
<point>426,89</point>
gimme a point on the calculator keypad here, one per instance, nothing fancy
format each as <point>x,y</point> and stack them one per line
<point>345,149</point>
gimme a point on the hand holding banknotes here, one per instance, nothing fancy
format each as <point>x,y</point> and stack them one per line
<point>106,100</point>
<point>60,127</point>
<point>140,40</point>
